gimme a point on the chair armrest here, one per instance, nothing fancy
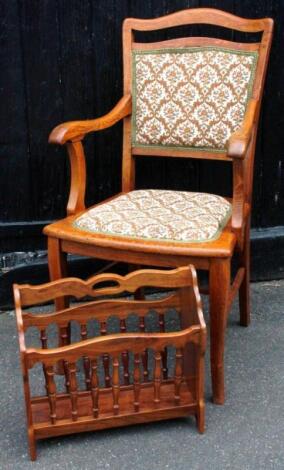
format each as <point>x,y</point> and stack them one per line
<point>71,133</point>
<point>240,139</point>
<point>76,130</point>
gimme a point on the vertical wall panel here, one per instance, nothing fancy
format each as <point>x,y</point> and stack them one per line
<point>41,67</point>
<point>271,207</point>
<point>14,149</point>
<point>105,161</point>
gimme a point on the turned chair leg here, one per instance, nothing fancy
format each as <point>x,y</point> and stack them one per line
<point>219,289</point>
<point>140,293</point>
<point>244,291</point>
<point>57,265</point>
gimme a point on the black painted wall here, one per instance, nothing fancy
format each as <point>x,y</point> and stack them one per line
<point>61,60</point>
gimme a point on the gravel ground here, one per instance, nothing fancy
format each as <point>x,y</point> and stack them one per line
<point>246,433</point>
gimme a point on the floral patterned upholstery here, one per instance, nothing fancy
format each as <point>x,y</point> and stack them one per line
<point>192,97</point>
<point>159,215</point>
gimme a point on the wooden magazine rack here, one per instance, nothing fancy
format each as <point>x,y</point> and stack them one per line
<point>119,386</point>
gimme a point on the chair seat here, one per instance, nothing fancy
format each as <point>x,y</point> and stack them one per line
<point>162,215</point>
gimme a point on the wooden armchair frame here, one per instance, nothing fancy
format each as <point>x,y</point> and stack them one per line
<point>108,398</point>
<point>215,255</point>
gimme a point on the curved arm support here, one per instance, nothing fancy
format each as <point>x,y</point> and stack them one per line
<point>238,196</point>
<point>240,140</point>
<point>76,201</point>
<point>76,130</point>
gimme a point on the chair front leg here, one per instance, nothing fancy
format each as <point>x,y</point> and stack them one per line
<point>244,292</point>
<point>140,293</point>
<point>219,290</point>
<point>57,265</point>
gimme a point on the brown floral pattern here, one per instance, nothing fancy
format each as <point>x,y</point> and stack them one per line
<point>159,215</point>
<point>190,97</point>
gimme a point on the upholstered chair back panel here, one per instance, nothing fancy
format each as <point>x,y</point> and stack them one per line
<point>193,97</point>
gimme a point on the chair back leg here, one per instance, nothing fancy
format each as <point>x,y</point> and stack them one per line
<point>244,292</point>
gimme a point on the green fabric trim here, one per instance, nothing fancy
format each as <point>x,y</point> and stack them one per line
<point>184,50</point>
<point>179,147</point>
<point>204,240</point>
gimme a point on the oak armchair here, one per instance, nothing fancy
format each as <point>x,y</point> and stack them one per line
<point>192,97</point>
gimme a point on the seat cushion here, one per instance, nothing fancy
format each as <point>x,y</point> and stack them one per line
<point>192,97</point>
<point>159,215</point>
